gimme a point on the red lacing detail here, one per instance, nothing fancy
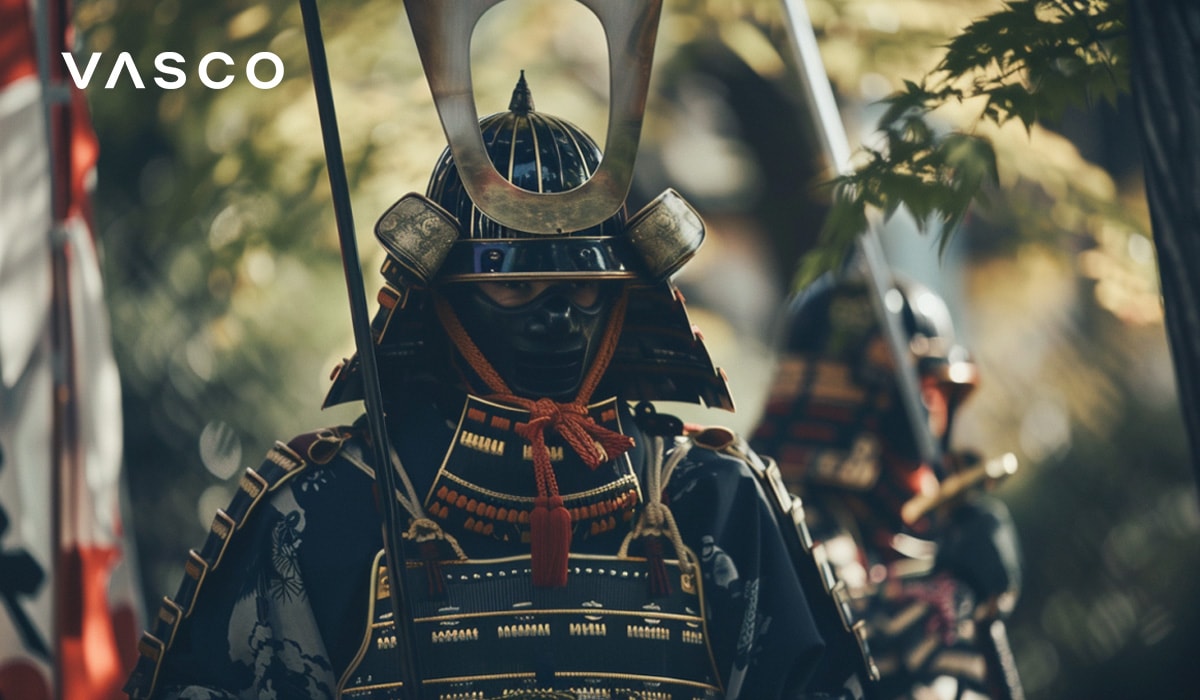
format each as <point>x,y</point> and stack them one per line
<point>939,592</point>
<point>550,522</point>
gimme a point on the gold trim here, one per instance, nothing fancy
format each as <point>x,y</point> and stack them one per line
<point>556,452</point>
<point>485,677</point>
<point>523,630</point>
<point>454,636</point>
<point>566,675</point>
<point>537,153</point>
<point>388,643</point>
<point>860,636</point>
<point>637,485</point>
<point>650,632</point>
<point>699,584</point>
<point>254,486</point>
<point>560,674</point>
<point>821,557</point>
<point>579,153</point>
<point>284,457</point>
<point>481,443</point>
<point>152,648</point>
<point>533,613</point>
<point>512,155</point>
<point>630,476</point>
<point>630,479</point>
<point>574,557</point>
<point>842,599</point>
<point>171,605</point>
<point>195,568</point>
<point>370,631</point>
<point>222,521</point>
<point>630,30</point>
<point>369,688</point>
<point>638,677</point>
<point>588,629</point>
<point>462,417</point>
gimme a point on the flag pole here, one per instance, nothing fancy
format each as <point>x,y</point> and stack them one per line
<point>51,21</point>
<point>372,393</point>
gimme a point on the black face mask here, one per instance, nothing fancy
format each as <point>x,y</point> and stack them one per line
<point>543,348</point>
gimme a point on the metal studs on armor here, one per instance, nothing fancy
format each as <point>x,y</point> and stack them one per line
<point>662,634</point>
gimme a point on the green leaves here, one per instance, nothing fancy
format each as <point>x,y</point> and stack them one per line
<point>1038,57</point>
<point>1029,62</point>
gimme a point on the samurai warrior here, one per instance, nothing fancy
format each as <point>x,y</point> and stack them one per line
<point>930,561</point>
<point>563,539</point>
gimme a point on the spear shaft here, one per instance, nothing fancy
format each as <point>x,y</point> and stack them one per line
<point>836,149</point>
<point>372,392</point>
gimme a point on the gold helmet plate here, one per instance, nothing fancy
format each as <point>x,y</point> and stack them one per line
<point>443,33</point>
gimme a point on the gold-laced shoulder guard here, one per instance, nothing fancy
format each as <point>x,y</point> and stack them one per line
<point>282,463</point>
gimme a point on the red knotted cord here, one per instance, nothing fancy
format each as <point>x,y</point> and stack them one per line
<point>550,521</point>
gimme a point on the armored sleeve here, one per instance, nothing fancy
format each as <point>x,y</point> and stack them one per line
<point>766,642</point>
<point>243,622</point>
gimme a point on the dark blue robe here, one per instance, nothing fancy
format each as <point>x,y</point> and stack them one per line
<point>284,613</point>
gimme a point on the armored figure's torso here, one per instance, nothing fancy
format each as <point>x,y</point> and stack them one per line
<point>488,631</point>
<point>293,604</point>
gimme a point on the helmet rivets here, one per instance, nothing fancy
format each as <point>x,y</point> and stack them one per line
<point>492,260</point>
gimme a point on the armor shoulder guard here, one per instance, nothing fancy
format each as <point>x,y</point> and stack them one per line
<point>848,667</point>
<point>282,463</point>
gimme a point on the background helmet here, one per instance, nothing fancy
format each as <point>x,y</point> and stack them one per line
<point>834,414</point>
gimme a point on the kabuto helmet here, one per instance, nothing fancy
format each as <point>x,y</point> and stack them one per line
<point>546,155</point>
<point>539,153</point>
<point>834,416</point>
<point>441,239</point>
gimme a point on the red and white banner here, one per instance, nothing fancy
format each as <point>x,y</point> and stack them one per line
<point>67,597</point>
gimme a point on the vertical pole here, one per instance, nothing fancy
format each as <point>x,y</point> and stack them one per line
<point>372,393</point>
<point>66,617</point>
<point>836,149</point>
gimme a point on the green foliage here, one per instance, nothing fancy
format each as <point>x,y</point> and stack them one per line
<point>1028,62</point>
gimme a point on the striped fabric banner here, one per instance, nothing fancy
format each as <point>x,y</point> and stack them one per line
<point>66,592</point>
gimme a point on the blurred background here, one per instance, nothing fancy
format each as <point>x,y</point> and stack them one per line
<point>229,309</point>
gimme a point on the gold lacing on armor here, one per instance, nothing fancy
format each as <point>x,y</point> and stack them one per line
<point>657,520</point>
<point>425,530</point>
<point>421,528</point>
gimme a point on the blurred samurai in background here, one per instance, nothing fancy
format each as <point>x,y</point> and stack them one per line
<point>930,561</point>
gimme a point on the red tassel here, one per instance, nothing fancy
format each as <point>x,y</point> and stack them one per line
<point>660,584</point>
<point>431,557</point>
<point>550,541</point>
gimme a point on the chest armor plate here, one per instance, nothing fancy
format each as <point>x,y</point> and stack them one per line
<point>486,482</point>
<point>494,635</point>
